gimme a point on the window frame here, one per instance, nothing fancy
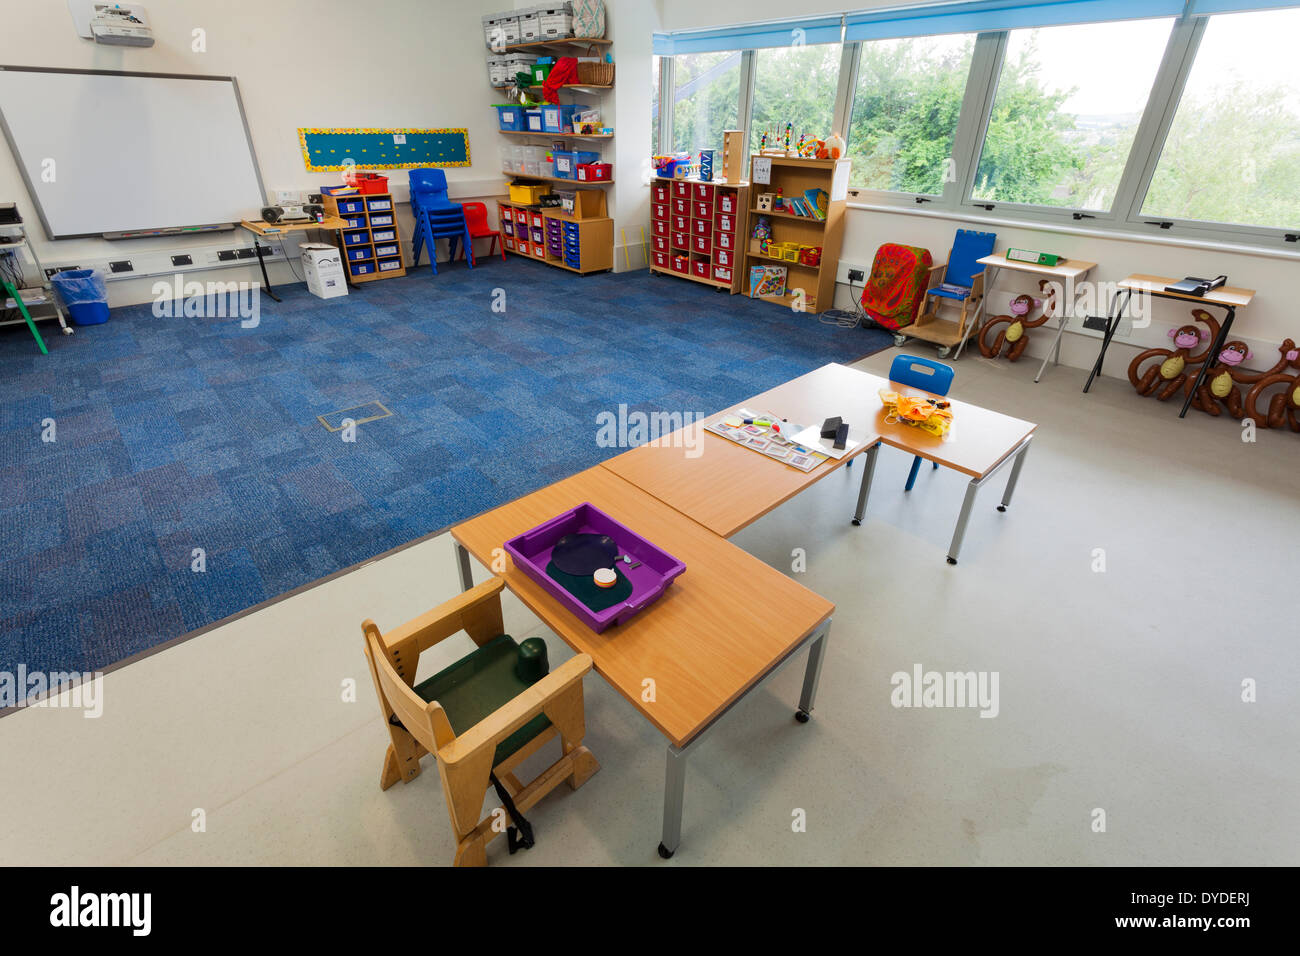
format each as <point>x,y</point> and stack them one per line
<point>1123,220</point>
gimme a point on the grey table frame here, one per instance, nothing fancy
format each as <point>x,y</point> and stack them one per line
<point>1015,457</point>
<point>675,772</point>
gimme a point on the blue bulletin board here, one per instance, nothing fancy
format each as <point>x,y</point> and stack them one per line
<point>331,149</point>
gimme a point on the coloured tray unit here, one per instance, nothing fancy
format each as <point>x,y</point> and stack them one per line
<point>371,241</point>
<point>697,229</point>
<point>336,149</point>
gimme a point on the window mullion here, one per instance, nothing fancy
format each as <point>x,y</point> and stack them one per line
<point>848,83</point>
<point>667,101</point>
<point>1158,117</point>
<point>972,123</point>
<point>745,107</point>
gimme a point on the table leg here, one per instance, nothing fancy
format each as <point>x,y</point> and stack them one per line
<point>463,566</point>
<point>674,795</point>
<point>1113,318</point>
<point>868,470</point>
<point>1015,475</point>
<point>1055,349</point>
<point>1210,358</point>
<point>955,547</point>
<point>812,675</point>
<point>261,261</point>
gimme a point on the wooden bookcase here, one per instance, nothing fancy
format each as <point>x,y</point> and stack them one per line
<point>698,230</point>
<point>793,177</point>
<point>369,253</point>
<point>579,243</point>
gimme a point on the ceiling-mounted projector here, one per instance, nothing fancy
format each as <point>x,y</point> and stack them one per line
<point>118,24</point>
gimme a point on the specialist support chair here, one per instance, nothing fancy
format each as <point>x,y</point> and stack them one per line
<point>480,717</point>
<point>961,282</point>
<point>927,375</point>
<point>476,221</point>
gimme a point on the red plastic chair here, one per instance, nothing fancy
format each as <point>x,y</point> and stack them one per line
<point>476,219</point>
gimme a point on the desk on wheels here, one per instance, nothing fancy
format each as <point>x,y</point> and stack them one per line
<point>1069,272</point>
<point>727,487</point>
<point>1228,298</point>
<point>705,644</point>
<point>265,230</point>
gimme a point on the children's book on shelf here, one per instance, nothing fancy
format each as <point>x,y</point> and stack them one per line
<point>766,280</point>
<point>767,440</point>
<point>818,202</point>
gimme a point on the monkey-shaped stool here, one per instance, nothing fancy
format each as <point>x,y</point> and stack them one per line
<point>1283,406</point>
<point>1015,336</point>
<point>1221,380</point>
<point>1171,371</point>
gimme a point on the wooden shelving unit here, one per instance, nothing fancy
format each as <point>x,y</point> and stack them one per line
<point>698,230</point>
<point>589,240</point>
<point>793,176</point>
<point>369,252</point>
<point>581,244</point>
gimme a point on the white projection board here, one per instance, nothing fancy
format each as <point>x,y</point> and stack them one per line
<point>106,152</point>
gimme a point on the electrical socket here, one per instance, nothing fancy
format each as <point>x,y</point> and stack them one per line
<point>855,275</point>
<point>121,265</point>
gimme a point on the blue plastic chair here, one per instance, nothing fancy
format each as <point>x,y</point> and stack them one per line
<point>925,374</point>
<point>436,217</point>
<point>963,279</point>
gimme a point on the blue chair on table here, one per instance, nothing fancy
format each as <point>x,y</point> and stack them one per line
<point>963,283</point>
<point>436,217</point>
<point>925,374</point>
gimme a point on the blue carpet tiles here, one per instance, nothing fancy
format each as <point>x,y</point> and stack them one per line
<point>184,442</point>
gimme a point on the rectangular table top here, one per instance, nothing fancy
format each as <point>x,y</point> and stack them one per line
<point>1223,295</point>
<point>719,628</point>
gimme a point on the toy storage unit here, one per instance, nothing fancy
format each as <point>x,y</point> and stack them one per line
<point>371,242</point>
<point>793,177</point>
<point>698,230</point>
<point>580,241</point>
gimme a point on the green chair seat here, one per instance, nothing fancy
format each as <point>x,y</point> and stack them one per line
<point>479,684</point>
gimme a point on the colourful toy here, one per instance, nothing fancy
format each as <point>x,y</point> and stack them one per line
<point>1172,369</point>
<point>834,147</point>
<point>1284,406</point>
<point>1220,384</point>
<point>1015,336</point>
<point>762,229</point>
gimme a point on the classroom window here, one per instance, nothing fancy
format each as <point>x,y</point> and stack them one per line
<point>706,99</point>
<point>1232,154</point>
<point>905,109</point>
<point>655,65</point>
<point>1067,107</point>
<point>795,85</point>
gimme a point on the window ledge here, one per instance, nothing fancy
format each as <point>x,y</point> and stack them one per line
<point>1118,235</point>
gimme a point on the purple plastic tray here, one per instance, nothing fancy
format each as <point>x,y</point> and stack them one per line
<point>531,552</point>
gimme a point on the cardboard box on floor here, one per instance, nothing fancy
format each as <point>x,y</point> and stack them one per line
<point>322,267</point>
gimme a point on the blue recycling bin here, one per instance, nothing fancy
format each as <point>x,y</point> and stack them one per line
<point>84,294</point>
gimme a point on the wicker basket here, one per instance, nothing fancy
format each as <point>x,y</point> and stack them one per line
<point>595,74</point>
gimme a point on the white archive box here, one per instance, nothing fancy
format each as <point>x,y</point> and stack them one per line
<point>322,266</point>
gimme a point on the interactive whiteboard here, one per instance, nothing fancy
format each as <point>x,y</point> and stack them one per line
<point>111,152</point>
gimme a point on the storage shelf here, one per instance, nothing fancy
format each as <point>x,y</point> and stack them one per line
<point>784,262</point>
<point>674,274</point>
<point>565,43</point>
<point>562,86</point>
<point>519,132</point>
<point>787,215</point>
<point>556,179</point>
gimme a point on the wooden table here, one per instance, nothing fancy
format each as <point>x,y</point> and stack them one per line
<point>697,650</point>
<point>261,228</point>
<point>1228,298</point>
<point>726,487</point>
<point>1068,272</point>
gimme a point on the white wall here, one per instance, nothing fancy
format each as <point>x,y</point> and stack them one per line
<point>1273,316</point>
<point>326,63</point>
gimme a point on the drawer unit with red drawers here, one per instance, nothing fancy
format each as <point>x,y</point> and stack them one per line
<point>696,228</point>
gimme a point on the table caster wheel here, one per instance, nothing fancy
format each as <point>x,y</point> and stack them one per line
<point>1002,507</point>
<point>68,331</point>
<point>857,522</point>
<point>665,852</point>
<point>802,716</point>
<point>900,340</point>
<point>952,560</point>
<point>945,352</point>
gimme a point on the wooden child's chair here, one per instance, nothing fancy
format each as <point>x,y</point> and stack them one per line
<point>481,717</point>
<point>961,282</point>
